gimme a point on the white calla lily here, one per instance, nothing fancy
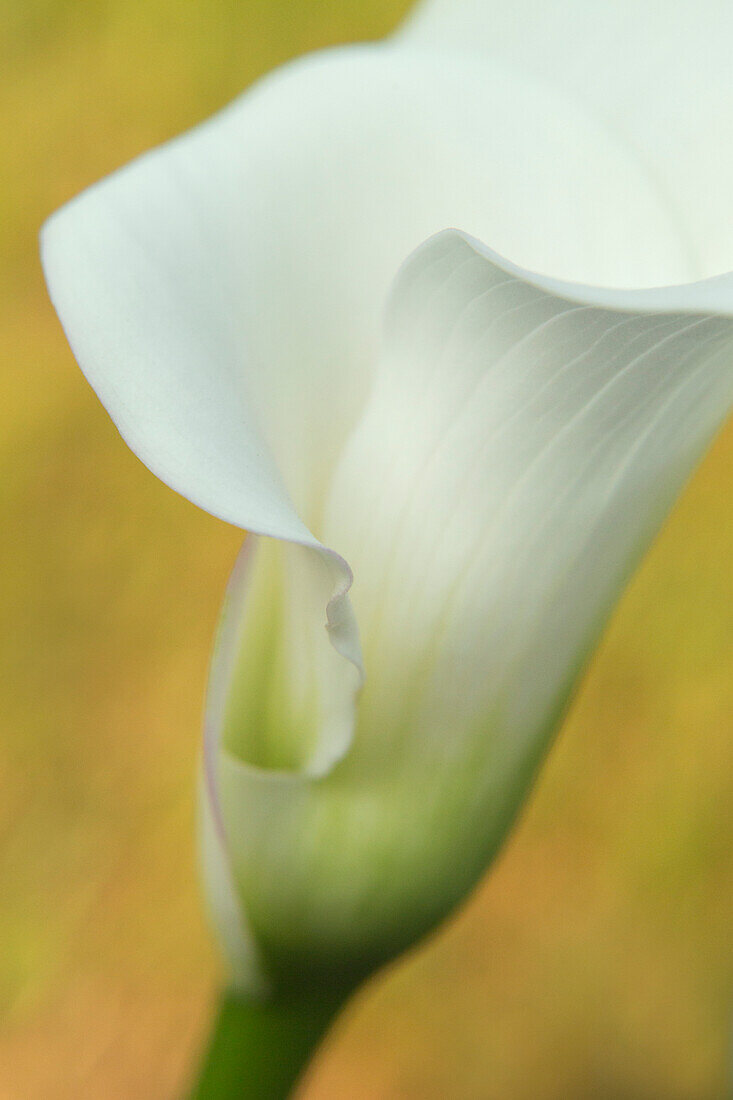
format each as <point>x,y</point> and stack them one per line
<point>487,471</point>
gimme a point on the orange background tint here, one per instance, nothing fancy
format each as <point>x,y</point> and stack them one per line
<point>595,961</point>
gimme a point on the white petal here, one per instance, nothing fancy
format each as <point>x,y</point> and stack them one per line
<point>523,443</point>
<point>656,72</point>
<point>223,294</point>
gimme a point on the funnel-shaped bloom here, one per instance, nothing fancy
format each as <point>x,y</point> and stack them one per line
<point>448,465</point>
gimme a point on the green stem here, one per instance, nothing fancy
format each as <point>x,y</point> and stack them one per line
<point>257,1051</point>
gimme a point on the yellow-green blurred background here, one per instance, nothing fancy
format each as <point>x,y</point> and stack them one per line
<point>596,960</point>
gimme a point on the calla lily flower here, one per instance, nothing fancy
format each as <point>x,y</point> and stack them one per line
<point>377,314</point>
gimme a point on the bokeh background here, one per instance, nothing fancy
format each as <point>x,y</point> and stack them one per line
<point>597,958</point>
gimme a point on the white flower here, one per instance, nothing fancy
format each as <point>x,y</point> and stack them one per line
<point>490,450</point>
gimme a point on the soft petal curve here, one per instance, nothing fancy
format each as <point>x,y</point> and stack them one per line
<point>523,443</point>
<point>656,72</point>
<point>224,293</point>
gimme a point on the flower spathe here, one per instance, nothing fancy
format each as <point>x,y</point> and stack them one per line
<point>449,446</point>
